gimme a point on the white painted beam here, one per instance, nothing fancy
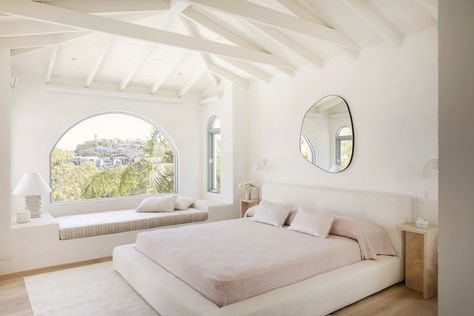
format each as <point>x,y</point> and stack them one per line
<point>373,19</point>
<point>24,28</point>
<point>37,40</point>
<point>192,14</point>
<point>98,62</point>
<point>61,16</point>
<point>215,69</point>
<point>20,51</point>
<point>272,18</point>
<point>191,82</point>
<point>430,5</point>
<point>250,69</point>
<point>197,17</point>
<point>52,63</point>
<point>167,73</point>
<point>302,12</point>
<point>125,81</point>
<point>213,87</point>
<point>212,98</point>
<point>290,44</point>
<point>224,73</point>
<point>108,6</point>
<point>112,93</point>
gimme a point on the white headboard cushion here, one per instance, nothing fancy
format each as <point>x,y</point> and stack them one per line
<point>386,210</point>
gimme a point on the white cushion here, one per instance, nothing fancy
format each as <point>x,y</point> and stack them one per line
<point>313,222</point>
<point>157,204</point>
<point>183,203</point>
<point>251,211</point>
<point>271,213</point>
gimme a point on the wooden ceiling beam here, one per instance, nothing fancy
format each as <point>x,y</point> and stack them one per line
<point>38,40</point>
<point>375,21</point>
<point>66,17</point>
<point>110,6</point>
<point>126,80</point>
<point>290,44</point>
<point>100,58</point>
<point>25,28</point>
<point>256,13</point>
<point>52,63</point>
<point>191,82</point>
<point>166,73</point>
<point>430,5</point>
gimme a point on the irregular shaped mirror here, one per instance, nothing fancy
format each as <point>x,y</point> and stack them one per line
<point>327,136</point>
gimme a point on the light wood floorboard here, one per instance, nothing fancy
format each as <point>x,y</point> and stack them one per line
<point>396,300</point>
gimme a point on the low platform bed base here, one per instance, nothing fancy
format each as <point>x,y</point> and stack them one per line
<point>319,295</point>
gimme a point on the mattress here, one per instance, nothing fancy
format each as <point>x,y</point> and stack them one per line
<point>230,261</point>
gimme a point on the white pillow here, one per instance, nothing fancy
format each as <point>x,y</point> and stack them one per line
<point>157,204</point>
<point>271,213</point>
<point>251,211</point>
<point>312,222</point>
<point>183,203</point>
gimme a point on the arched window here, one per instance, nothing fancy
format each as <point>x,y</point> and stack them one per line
<point>307,148</point>
<point>112,155</point>
<point>343,147</point>
<point>214,155</point>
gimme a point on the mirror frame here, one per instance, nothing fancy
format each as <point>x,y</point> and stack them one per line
<point>352,127</point>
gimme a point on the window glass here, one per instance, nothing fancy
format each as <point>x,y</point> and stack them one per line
<point>112,155</point>
<point>214,155</point>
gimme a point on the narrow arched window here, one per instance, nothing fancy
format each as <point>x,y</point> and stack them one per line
<point>112,155</point>
<point>343,147</point>
<point>214,155</point>
<point>307,148</point>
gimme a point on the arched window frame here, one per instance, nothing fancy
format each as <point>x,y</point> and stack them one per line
<point>143,118</point>
<point>310,146</point>
<point>339,139</point>
<point>212,132</point>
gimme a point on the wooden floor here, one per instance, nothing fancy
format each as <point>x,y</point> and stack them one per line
<point>396,300</point>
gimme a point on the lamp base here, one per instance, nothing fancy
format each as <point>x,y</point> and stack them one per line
<point>33,204</point>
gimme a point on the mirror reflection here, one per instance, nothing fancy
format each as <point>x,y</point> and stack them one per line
<point>327,139</point>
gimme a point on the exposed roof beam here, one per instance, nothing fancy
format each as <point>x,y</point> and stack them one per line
<point>217,70</point>
<point>61,16</point>
<point>222,72</point>
<point>272,18</point>
<point>213,98</point>
<point>290,44</point>
<point>302,12</point>
<point>52,63</point>
<point>167,73</point>
<point>24,28</point>
<point>250,69</point>
<point>98,62</point>
<point>191,82</point>
<point>373,19</point>
<point>193,15</point>
<point>21,51</point>
<point>37,40</point>
<point>111,93</point>
<point>125,81</point>
<point>213,87</point>
<point>430,5</point>
<point>108,6</point>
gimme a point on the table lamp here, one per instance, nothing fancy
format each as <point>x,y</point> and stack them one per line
<point>32,186</point>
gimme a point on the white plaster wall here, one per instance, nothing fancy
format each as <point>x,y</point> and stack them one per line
<point>392,94</point>
<point>5,172</point>
<point>39,118</point>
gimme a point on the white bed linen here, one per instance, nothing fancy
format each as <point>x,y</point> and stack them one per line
<point>319,295</point>
<point>229,261</point>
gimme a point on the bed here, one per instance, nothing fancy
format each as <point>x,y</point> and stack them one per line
<point>249,287</point>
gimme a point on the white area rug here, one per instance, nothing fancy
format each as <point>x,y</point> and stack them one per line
<point>90,290</point>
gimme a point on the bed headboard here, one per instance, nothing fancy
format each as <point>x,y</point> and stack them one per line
<point>386,210</point>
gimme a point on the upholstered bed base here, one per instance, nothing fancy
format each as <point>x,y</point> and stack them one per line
<point>319,295</point>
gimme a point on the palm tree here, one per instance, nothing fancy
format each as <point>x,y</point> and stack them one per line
<point>154,173</point>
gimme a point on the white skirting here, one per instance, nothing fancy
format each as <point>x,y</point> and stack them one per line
<point>319,295</point>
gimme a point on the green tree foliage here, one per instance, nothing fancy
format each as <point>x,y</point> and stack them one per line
<point>154,173</point>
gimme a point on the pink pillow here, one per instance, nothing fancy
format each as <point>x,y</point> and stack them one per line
<point>372,239</point>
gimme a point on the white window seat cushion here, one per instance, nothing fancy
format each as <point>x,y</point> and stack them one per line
<point>111,222</point>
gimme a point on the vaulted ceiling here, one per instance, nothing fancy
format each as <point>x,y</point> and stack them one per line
<point>160,49</point>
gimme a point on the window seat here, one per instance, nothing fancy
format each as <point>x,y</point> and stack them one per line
<point>111,222</point>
